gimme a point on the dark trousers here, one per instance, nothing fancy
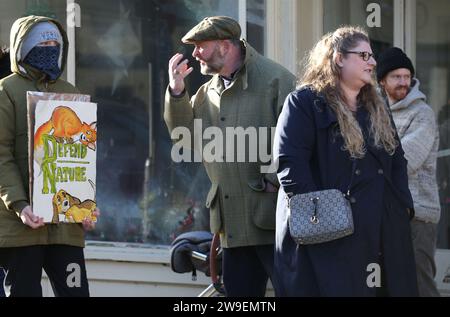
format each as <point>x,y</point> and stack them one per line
<point>424,236</point>
<point>246,270</point>
<point>64,265</point>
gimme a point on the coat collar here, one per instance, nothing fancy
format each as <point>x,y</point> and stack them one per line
<point>326,115</point>
<point>250,54</point>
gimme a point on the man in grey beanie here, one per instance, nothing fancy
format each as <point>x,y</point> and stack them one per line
<point>417,129</point>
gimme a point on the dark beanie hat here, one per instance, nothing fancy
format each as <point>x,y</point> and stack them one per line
<point>392,59</point>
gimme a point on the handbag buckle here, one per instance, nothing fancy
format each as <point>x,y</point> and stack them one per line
<point>314,220</point>
<point>288,201</point>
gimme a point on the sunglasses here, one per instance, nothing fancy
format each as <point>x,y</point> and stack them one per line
<point>364,55</point>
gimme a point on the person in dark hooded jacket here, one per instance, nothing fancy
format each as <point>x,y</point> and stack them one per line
<point>5,70</point>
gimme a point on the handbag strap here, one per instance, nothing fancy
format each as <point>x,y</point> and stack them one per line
<point>347,194</point>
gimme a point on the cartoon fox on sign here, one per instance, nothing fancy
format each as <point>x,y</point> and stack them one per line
<point>67,126</point>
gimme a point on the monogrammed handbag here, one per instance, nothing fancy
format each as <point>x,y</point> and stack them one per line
<point>321,216</point>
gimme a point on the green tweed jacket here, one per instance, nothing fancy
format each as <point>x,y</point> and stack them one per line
<point>241,208</point>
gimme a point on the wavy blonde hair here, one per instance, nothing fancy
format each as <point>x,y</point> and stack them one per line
<point>323,75</point>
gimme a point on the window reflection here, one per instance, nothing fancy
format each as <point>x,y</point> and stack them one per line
<point>10,10</point>
<point>123,49</point>
<point>348,12</point>
<point>256,24</point>
<point>433,69</point>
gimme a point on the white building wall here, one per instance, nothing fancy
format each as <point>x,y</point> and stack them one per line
<point>134,271</point>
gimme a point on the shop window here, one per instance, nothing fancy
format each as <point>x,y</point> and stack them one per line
<point>256,24</point>
<point>10,10</point>
<point>122,54</point>
<point>433,72</point>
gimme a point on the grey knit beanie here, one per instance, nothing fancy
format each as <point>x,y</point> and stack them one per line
<point>41,32</point>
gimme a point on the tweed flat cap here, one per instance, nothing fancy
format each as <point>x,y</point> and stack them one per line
<point>213,28</point>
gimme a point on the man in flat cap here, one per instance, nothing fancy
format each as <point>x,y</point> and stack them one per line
<point>246,91</point>
<point>418,132</point>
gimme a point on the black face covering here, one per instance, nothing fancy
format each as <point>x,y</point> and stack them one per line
<point>45,59</point>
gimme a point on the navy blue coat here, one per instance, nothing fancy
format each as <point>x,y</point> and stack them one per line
<point>308,148</point>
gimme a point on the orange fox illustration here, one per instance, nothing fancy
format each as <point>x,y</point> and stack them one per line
<point>67,126</point>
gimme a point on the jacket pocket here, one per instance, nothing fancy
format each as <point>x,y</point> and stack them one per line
<point>264,210</point>
<point>211,198</point>
<point>258,185</point>
<point>396,206</point>
<point>215,220</point>
<point>262,205</point>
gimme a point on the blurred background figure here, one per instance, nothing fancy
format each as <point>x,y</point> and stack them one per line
<point>416,125</point>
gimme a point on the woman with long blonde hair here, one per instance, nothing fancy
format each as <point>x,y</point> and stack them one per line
<point>335,132</point>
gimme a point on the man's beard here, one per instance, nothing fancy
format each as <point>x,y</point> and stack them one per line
<point>399,93</point>
<point>210,69</point>
<point>214,65</point>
